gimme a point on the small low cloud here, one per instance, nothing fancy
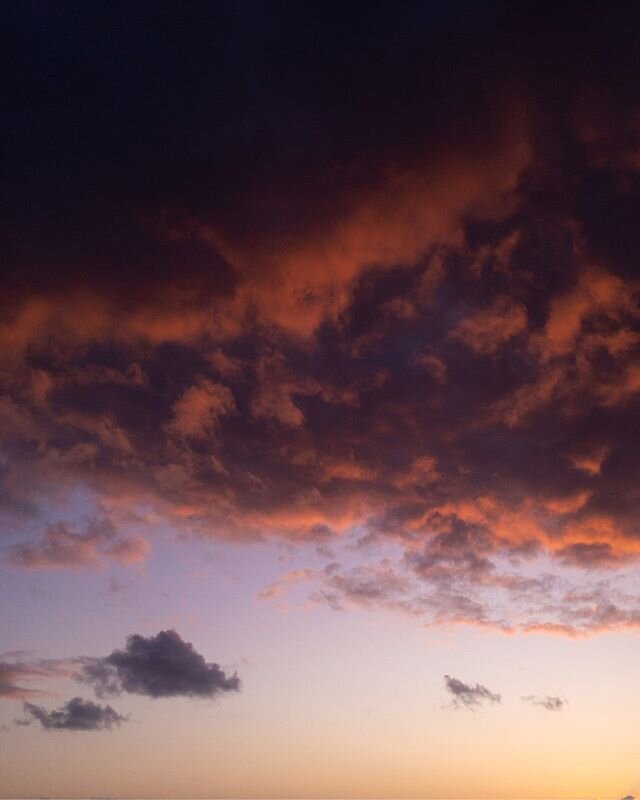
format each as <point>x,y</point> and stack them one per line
<point>157,666</point>
<point>467,696</point>
<point>75,715</point>
<point>549,702</point>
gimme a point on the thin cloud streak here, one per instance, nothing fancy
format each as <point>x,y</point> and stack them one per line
<point>16,671</point>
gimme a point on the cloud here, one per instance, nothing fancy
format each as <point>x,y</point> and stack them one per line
<point>59,547</point>
<point>291,578</point>
<point>593,555</point>
<point>487,330</point>
<point>163,665</point>
<point>10,674</point>
<point>197,411</point>
<point>364,587</point>
<point>283,334</point>
<point>278,386</point>
<point>596,293</point>
<point>467,696</point>
<point>75,715</point>
<point>16,671</point>
<point>549,702</point>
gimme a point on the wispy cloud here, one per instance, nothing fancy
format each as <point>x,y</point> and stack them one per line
<point>61,547</point>
<point>18,673</point>
<point>548,702</point>
<point>468,695</point>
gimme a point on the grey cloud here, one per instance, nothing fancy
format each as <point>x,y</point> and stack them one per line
<point>549,702</point>
<point>467,696</point>
<point>75,715</point>
<point>157,666</point>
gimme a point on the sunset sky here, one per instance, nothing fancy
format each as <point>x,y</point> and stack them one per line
<point>320,400</point>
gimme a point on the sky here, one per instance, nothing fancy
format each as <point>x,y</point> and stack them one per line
<point>320,400</point>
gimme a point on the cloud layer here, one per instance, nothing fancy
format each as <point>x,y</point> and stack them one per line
<point>275,312</point>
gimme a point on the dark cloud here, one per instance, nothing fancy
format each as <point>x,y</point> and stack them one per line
<point>75,715</point>
<point>549,702</point>
<point>467,696</point>
<point>163,665</point>
<point>241,299</point>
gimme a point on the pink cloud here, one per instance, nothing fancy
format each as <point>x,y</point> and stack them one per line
<point>61,547</point>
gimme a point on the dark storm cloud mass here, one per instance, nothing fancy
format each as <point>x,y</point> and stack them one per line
<point>467,696</point>
<point>548,702</point>
<point>163,665</point>
<point>272,271</point>
<point>75,715</point>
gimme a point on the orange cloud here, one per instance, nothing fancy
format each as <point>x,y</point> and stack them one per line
<point>596,293</point>
<point>485,331</point>
<point>590,461</point>
<point>197,412</point>
<point>297,281</point>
